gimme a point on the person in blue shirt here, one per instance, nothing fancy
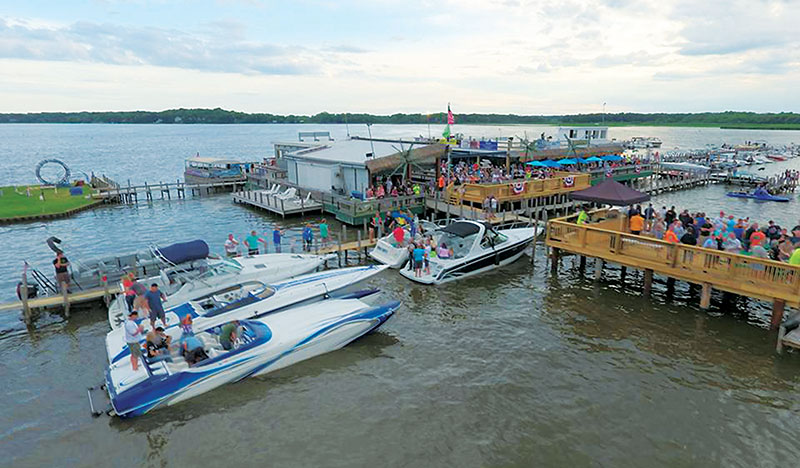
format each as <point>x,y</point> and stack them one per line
<point>276,238</point>
<point>419,255</point>
<point>154,299</point>
<point>308,237</point>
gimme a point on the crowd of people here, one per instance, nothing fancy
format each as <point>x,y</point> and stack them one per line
<point>720,232</point>
<point>254,244</point>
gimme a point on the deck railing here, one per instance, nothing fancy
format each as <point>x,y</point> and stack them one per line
<point>521,189</point>
<point>733,272</point>
<point>356,208</point>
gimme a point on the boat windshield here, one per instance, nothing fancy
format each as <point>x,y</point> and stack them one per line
<point>461,246</point>
<point>492,238</point>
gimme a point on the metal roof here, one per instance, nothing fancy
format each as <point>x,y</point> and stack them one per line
<point>346,151</point>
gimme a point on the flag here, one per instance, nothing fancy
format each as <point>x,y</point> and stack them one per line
<point>450,121</point>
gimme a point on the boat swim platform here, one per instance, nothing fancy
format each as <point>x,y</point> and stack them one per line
<point>274,203</point>
<point>606,239</point>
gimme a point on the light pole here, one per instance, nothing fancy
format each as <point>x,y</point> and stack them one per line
<point>604,113</point>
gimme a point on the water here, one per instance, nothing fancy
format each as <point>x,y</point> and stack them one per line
<point>506,369</point>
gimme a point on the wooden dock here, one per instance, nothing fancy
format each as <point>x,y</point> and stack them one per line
<point>62,301</point>
<point>272,202</point>
<point>606,240</point>
<point>112,192</point>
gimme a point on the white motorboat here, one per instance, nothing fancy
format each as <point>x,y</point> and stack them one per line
<point>263,345</point>
<point>395,254</point>
<point>252,299</point>
<point>476,247</point>
<point>220,276</point>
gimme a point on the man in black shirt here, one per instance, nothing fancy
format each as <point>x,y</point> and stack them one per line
<point>670,217</point>
<point>61,265</point>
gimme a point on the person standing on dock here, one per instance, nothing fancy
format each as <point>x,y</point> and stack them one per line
<point>323,232</point>
<point>375,223</point>
<point>252,243</point>
<point>308,237</point>
<point>61,265</point>
<point>276,238</point>
<point>231,246</point>
<point>636,223</point>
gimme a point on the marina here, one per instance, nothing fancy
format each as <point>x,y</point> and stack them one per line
<point>575,315</point>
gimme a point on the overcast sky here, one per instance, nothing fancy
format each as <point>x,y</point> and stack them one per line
<point>382,56</point>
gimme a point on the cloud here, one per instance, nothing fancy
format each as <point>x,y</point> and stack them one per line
<point>220,47</point>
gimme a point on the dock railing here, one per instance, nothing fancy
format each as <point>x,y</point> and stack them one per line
<point>740,274</point>
<point>355,208</point>
<point>521,189</point>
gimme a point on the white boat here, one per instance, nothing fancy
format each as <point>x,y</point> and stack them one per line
<point>395,254</point>
<point>476,247</point>
<point>263,345</point>
<point>251,300</point>
<point>222,277</point>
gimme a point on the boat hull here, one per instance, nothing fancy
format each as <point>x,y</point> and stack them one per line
<point>758,198</point>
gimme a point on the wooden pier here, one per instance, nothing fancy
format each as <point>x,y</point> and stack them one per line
<point>274,203</point>
<point>606,240</point>
<point>112,192</point>
<point>62,301</point>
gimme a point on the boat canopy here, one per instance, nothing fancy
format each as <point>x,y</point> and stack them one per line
<point>184,251</point>
<point>461,229</point>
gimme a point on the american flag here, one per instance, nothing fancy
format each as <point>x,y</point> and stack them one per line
<point>450,119</point>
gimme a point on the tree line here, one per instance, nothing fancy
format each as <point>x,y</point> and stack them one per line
<point>222,116</point>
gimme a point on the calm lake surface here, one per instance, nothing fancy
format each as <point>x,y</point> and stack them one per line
<point>512,368</point>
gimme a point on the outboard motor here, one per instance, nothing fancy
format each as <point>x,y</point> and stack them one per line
<point>33,290</point>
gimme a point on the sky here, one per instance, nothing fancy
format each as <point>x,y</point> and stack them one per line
<point>384,57</point>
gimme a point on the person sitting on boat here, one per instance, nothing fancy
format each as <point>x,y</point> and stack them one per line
<point>186,325</point>
<point>157,345</point>
<point>228,334</point>
<point>192,349</point>
<point>443,251</point>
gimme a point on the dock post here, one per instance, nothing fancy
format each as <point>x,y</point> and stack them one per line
<point>705,296</point>
<point>344,236</point>
<point>339,252</point>
<point>26,310</point>
<point>582,263</point>
<point>598,268</point>
<point>554,254</point>
<point>777,313</point>
<point>648,281</point>
<point>358,248</point>
<point>65,298</point>
<point>533,244</point>
<point>623,271</point>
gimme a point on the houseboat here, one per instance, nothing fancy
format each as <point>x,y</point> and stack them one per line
<point>200,170</point>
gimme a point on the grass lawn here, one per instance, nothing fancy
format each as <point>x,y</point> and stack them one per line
<point>15,202</point>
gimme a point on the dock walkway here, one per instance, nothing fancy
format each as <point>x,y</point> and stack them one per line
<point>62,301</point>
<point>606,240</point>
<point>274,203</point>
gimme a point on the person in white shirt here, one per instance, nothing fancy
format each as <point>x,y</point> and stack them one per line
<point>133,333</point>
<point>231,246</point>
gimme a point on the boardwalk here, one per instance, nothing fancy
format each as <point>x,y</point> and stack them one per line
<point>59,301</point>
<point>274,203</point>
<point>606,240</point>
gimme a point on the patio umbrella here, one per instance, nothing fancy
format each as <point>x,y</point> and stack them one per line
<point>536,164</point>
<point>610,192</point>
<point>592,159</point>
<point>550,163</point>
<point>566,161</point>
<point>612,157</point>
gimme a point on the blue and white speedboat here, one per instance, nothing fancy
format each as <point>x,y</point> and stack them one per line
<point>227,277</point>
<point>254,299</point>
<point>266,344</point>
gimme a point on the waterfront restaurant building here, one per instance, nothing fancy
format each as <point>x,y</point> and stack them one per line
<point>336,166</point>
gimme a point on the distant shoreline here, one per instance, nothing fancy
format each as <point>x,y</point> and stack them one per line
<point>722,120</point>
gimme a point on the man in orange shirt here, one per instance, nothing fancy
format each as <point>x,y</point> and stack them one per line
<point>636,224</point>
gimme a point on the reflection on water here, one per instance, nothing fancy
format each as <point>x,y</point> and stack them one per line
<point>515,367</point>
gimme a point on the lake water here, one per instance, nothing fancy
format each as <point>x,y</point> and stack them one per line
<point>513,368</point>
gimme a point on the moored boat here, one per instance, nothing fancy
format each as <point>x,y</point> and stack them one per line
<point>251,300</point>
<point>473,248</point>
<point>230,276</point>
<point>263,345</point>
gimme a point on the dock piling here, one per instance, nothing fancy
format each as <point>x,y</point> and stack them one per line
<point>778,306</point>
<point>705,296</point>
<point>648,281</point>
<point>26,310</point>
<point>65,298</point>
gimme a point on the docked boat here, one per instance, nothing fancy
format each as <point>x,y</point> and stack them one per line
<point>251,299</point>
<point>201,170</point>
<point>475,247</point>
<point>395,254</point>
<point>638,142</point>
<point>758,196</point>
<point>222,277</point>
<point>776,157</point>
<point>263,345</point>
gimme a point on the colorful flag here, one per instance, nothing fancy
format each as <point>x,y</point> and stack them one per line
<point>450,121</point>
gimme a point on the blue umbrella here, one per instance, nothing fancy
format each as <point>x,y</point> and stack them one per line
<point>550,163</point>
<point>567,161</point>
<point>612,157</point>
<point>592,159</point>
<point>536,164</point>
